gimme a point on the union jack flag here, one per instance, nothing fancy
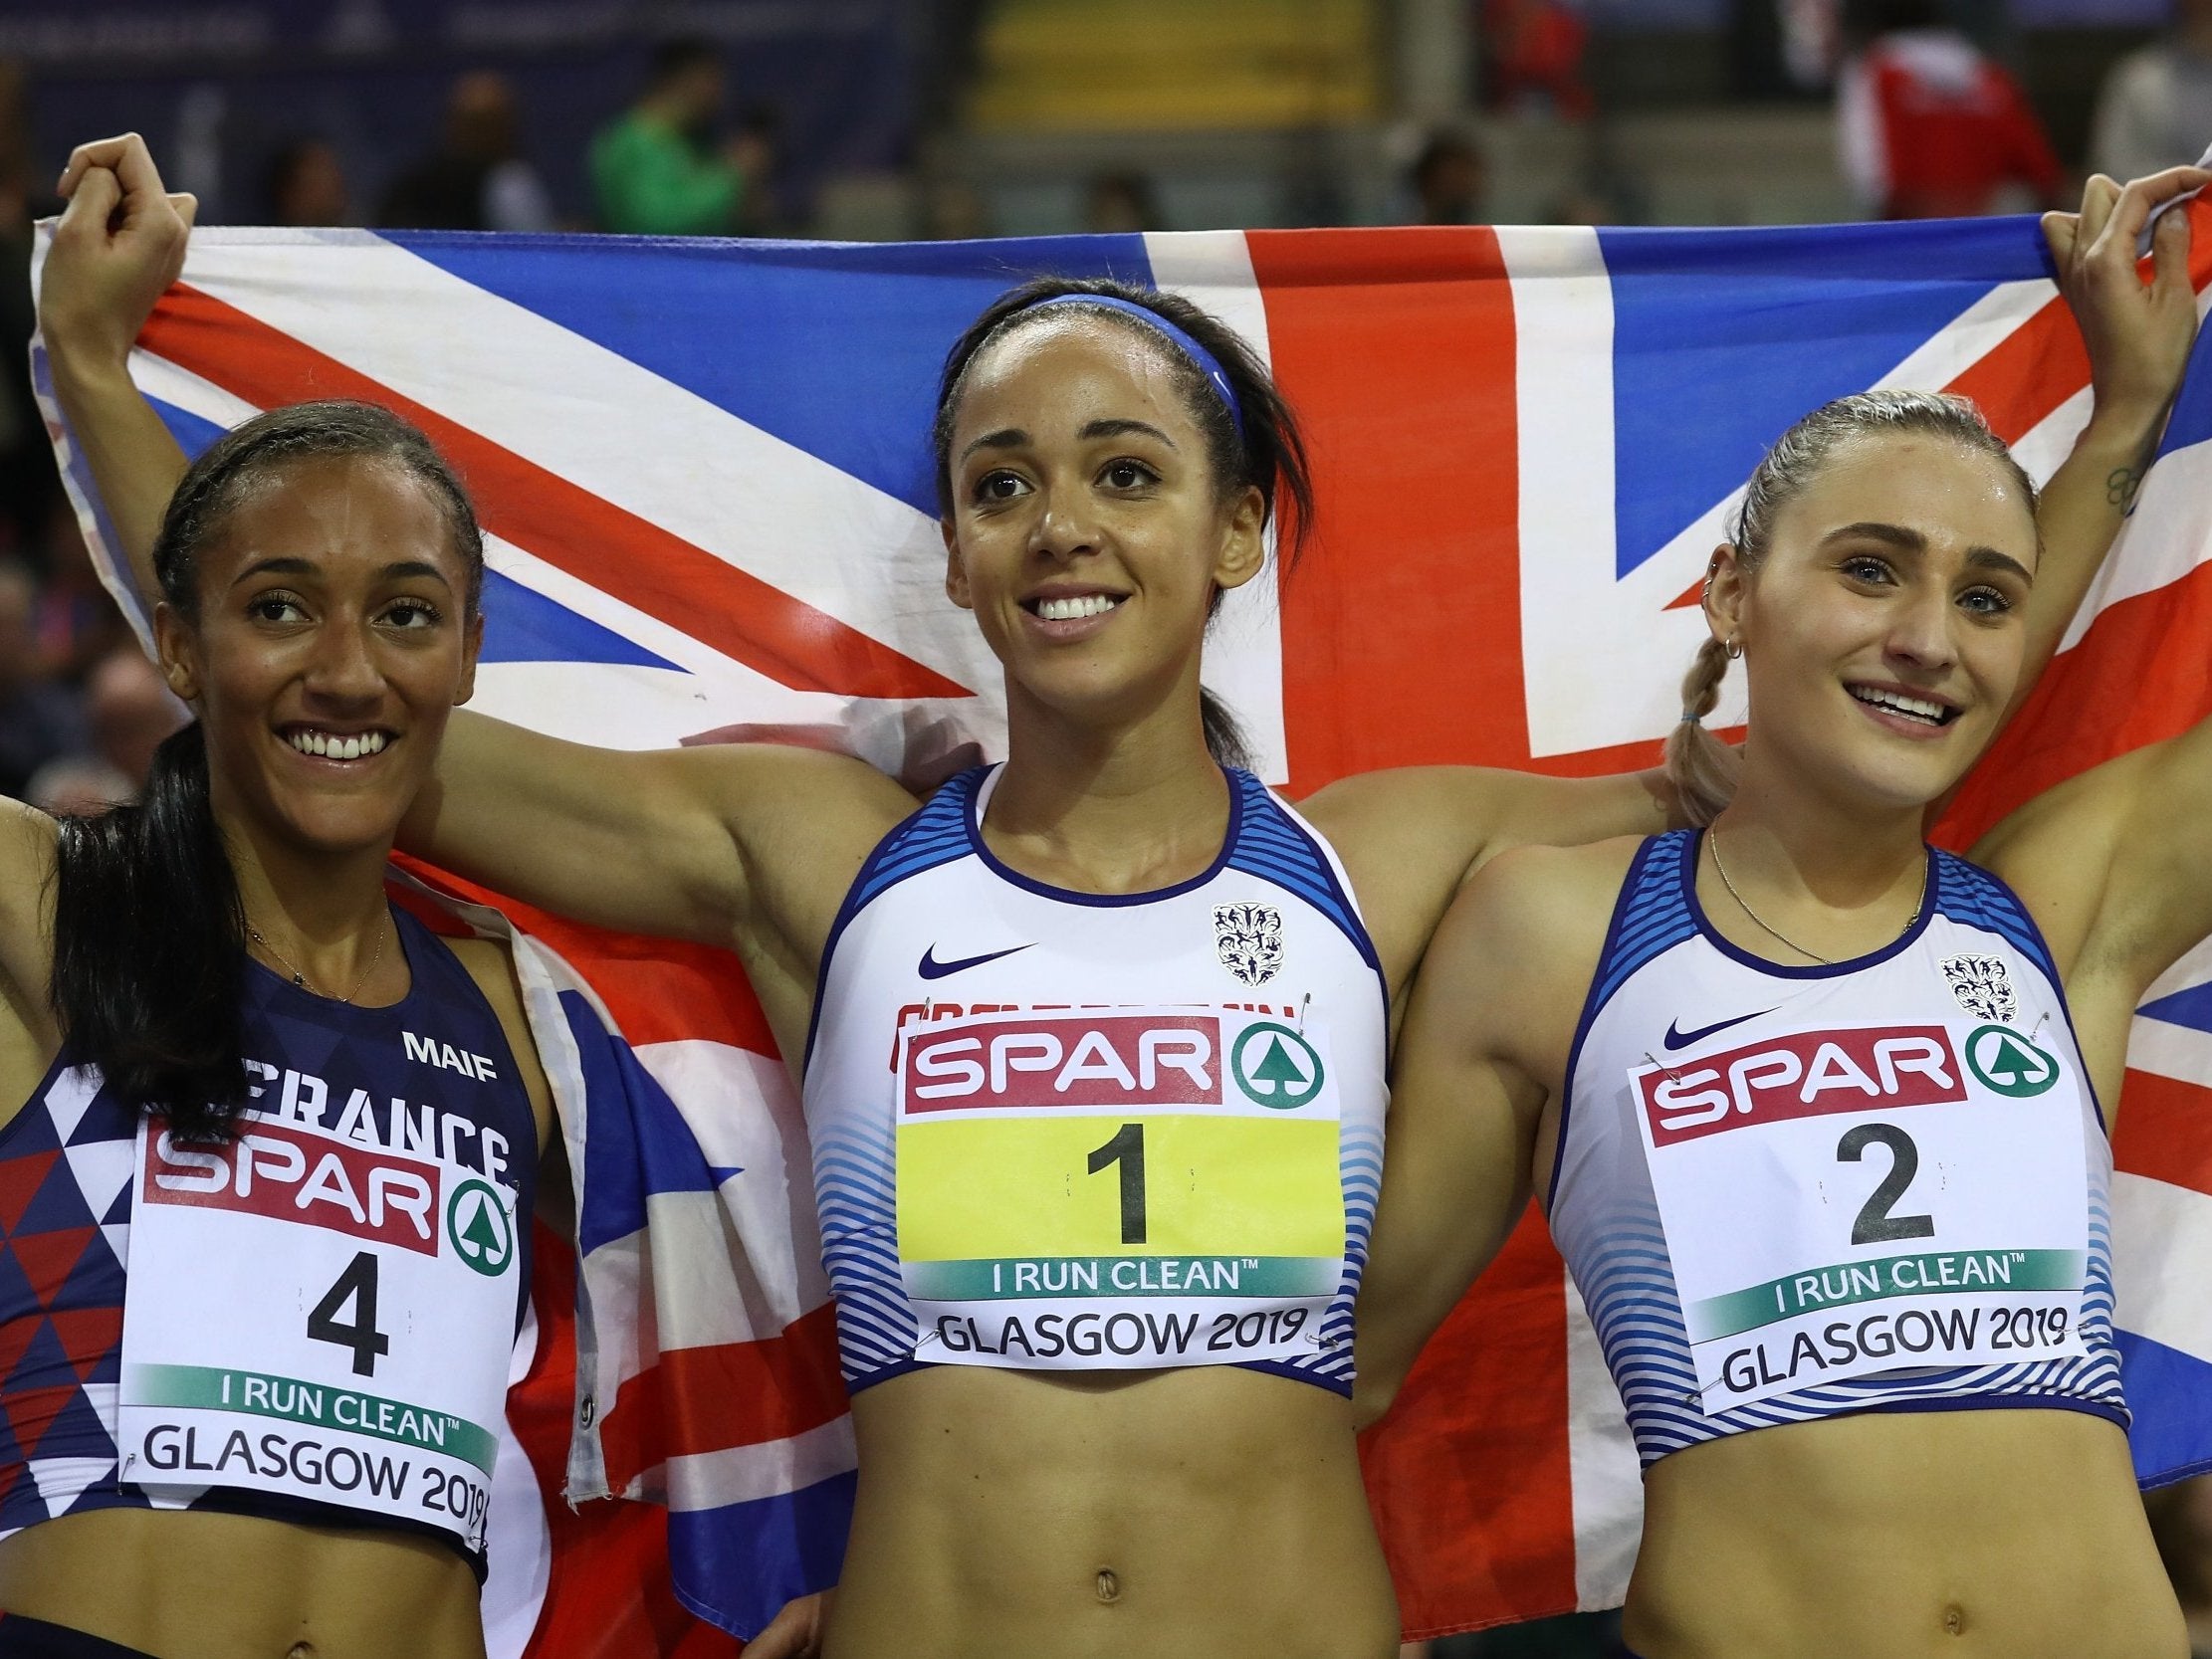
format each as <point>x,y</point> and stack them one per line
<point>704,472</point>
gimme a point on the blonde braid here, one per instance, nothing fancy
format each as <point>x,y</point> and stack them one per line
<point>1702,769</point>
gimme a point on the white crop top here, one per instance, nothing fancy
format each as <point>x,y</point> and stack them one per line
<point>1070,1131</point>
<point>1793,1192</point>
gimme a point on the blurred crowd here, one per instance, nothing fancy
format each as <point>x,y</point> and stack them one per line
<point>81,707</point>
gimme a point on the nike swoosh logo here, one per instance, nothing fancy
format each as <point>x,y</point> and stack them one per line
<point>1682,1039</point>
<point>932,968</point>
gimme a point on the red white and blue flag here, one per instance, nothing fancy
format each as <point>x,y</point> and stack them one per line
<point>703,471</point>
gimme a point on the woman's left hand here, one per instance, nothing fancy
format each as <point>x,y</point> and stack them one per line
<point>2139,334</point>
<point>795,1633</point>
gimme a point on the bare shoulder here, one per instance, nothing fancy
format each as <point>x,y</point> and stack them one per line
<point>28,838</point>
<point>1527,931</point>
<point>29,842</point>
<point>1379,818</point>
<point>2034,829</point>
<point>28,1032</point>
<point>492,966</point>
<point>2057,850</point>
<point>1548,898</point>
<point>1485,810</point>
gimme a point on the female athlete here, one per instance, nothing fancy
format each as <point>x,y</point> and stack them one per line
<point>1088,1036</point>
<point>1820,1111</point>
<point>267,1248</point>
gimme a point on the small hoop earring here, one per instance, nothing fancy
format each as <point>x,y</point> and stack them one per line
<point>1734,648</point>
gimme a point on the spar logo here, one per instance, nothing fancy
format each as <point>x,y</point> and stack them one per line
<point>1805,1075</point>
<point>286,1173</point>
<point>1075,1059</point>
<point>1276,1066</point>
<point>2005,1061</point>
<point>482,1234</point>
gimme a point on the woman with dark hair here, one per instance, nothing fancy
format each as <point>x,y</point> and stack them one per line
<point>1819,1112</point>
<point>1091,1043</point>
<point>267,1250</point>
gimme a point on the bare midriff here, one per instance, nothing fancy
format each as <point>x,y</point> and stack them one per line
<point>191,1584</point>
<point>1212,1513</point>
<point>1940,1535</point>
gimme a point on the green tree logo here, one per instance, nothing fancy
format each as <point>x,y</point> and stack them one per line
<point>2008,1062</point>
<point>482,1234</point>
<point>1276,1066</point>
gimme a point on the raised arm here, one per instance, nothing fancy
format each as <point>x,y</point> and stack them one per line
<point>2116,866</point>
<point>2139,336</point>
<point>747,845</point>
<point>118,246</point>
<point>717,844</point>
<point>1484,1044</point>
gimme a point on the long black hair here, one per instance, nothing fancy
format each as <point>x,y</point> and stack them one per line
<point>1267,452</point>
<point>149,935</point>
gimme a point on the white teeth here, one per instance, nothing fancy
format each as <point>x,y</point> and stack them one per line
<point>337,749</point>
<point>1896,702</point>
<point>1073,610</point>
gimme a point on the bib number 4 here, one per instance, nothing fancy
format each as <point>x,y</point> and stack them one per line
<point>356,1288</point>
<point>1875,1225</point>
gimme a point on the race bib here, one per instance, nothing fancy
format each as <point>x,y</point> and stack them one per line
<point>1846,1202</point>
<point>1118,1188</point>
<point>313,1316</point>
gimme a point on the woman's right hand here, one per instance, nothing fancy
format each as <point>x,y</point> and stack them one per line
<point>115,250</point>
<point>2139,334</point>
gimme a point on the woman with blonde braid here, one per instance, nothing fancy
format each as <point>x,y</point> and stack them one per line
<point>1818,1113</point>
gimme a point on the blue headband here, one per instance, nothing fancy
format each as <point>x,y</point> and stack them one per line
<point>1208,365</point>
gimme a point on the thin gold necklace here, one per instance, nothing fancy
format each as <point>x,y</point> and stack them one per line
<point>299,979</point>
<point>1713,840</point>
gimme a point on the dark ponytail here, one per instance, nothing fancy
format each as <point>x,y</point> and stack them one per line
<point>150,935</point>
<point>1224,733</point>
<point>150,947</point>
<point>1267,452</point>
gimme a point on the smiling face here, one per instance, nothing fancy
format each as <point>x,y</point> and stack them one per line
<point>1884,630</point>
<point>1088,531</point>
<point>331,641</point>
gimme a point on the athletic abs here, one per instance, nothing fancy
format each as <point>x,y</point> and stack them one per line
<point>208,1585</point>
<point>1214,1513</point>
<point>1959,1535</point>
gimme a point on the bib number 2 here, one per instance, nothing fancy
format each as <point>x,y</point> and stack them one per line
<point>1875,1225</point>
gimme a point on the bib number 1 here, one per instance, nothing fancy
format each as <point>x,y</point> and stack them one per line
<point>1030,1233</point>
<point>1127,1148</point>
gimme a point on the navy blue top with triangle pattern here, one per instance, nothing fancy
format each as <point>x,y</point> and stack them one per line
<point>65,1166</point>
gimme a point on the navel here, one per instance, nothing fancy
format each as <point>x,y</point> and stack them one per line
<point>1109,1586</point>
<point>1954,1619</point>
